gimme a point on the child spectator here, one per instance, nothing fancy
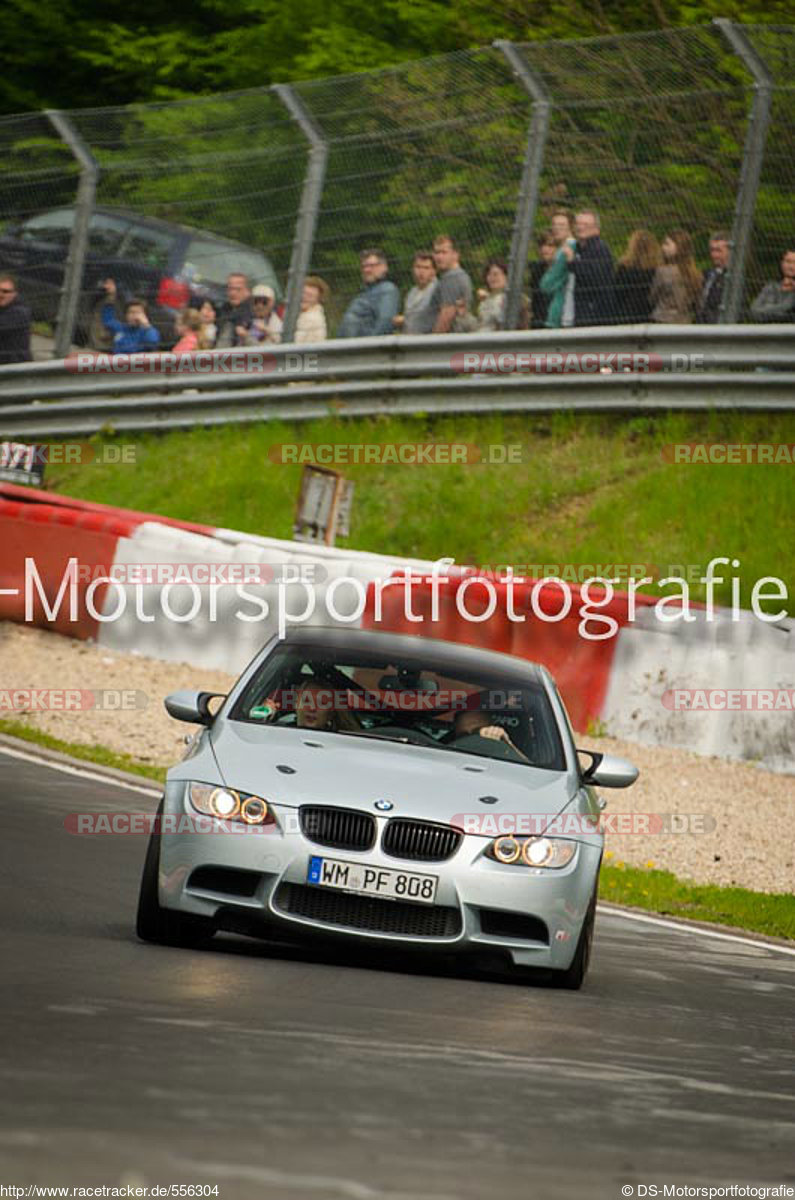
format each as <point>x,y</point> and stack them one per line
<point>209,322</point>
<point>134,333</point>
<point>547,249</point>
<point>464,321</point>
<point>190,330</point>
<point>311,323</point>
<point>676,286</point>
<point>634,277</point>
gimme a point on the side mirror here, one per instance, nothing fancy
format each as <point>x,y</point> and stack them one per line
<point>606,770</point>
<point>192,706</point>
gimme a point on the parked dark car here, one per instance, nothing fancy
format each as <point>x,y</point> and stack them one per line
<point>167,264</point>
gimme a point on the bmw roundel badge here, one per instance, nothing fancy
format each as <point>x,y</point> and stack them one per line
<point>384,805</point>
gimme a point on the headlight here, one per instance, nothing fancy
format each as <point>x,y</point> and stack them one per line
<point>228,805</point>
<point>553,853</point>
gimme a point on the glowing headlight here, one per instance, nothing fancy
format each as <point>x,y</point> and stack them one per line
<point>552,853</point>
<point>253,810</point>
<point>228,805</point>
<point>537,852</point>
<point>507,849</point>
<point>225,804</point>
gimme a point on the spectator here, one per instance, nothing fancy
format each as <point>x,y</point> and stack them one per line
<point>311,323</point>
<point>454,286</point>
<point>237,313</point>
<point>491,310</point>
<point>373,309</point>
<point>134,333</point>
<point>677,283</point>
<point>591,264</point>
<point>417,317</point>
<point>547,249</point>
<point>776,301</point>
<point>557,282</point>
<point>190,332</point>
<point>464,321</point>
<point>209,322</point>
<point>709,302</point>
<point>14,324</point>
<point>266,324</point>
<point>634,277</point>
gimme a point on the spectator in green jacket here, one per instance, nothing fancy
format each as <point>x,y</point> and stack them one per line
<point>557,282</point>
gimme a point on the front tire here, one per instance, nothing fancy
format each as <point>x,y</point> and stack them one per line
<point>574,976</point>
<point>162,925</point>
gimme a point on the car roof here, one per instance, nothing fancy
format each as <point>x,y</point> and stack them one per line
<point>129,214</point>
<point>446,655</point>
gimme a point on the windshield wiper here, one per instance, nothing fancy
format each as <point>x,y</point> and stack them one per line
<point>381,737</point>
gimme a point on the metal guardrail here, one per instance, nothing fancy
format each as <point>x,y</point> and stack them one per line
<point>694,367</point>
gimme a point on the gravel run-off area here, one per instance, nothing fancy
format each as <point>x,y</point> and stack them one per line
<point>746,814</point>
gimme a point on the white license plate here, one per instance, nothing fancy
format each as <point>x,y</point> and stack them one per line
<point>374,881</point>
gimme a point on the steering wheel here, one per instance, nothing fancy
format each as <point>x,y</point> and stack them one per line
<point>485,747</point>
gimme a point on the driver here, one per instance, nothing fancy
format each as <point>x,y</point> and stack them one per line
<point>476,721</point>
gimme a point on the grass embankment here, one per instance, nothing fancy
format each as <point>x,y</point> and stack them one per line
<point>590,489</point>
<point>89,754</point>
<point>771,913</point>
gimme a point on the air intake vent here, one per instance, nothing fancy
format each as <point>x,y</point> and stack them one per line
<point>420,841</point>
<point>341,828</point>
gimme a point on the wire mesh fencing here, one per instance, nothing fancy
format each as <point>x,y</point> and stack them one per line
<point>662,132</point>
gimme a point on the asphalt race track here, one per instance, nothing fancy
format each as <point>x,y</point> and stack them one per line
<point>305,1076</point>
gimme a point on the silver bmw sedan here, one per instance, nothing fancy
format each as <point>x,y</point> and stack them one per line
<point>381,788</point>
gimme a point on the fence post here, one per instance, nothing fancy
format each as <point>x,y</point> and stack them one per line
<point>529,185</point>
<point>304,237</point>
<point>78,243</point>
<point>753,151</point>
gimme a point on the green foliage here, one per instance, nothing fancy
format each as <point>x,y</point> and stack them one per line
<point>82,53</point>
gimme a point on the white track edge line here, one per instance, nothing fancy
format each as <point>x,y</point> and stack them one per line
<point>83,774</point>
<point>683,927</point>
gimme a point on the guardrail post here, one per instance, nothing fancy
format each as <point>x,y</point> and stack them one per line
<point>311,194</point>
<point>753,152</point>
<point>530,182</point>
<point>78,243</point>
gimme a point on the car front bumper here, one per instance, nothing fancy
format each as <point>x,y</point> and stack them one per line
<point>257,883</point>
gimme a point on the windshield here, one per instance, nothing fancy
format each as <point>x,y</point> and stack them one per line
<point>210,262</point>
<point>410,701</point>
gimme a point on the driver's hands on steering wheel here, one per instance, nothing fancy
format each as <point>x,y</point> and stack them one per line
<point>496,732</point>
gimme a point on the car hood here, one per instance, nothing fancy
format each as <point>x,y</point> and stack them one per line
<point>328,768</point>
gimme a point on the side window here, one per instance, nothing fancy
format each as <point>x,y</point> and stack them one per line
<point>105,234</point>
<point>54,227</point>
<point>150,247</point>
